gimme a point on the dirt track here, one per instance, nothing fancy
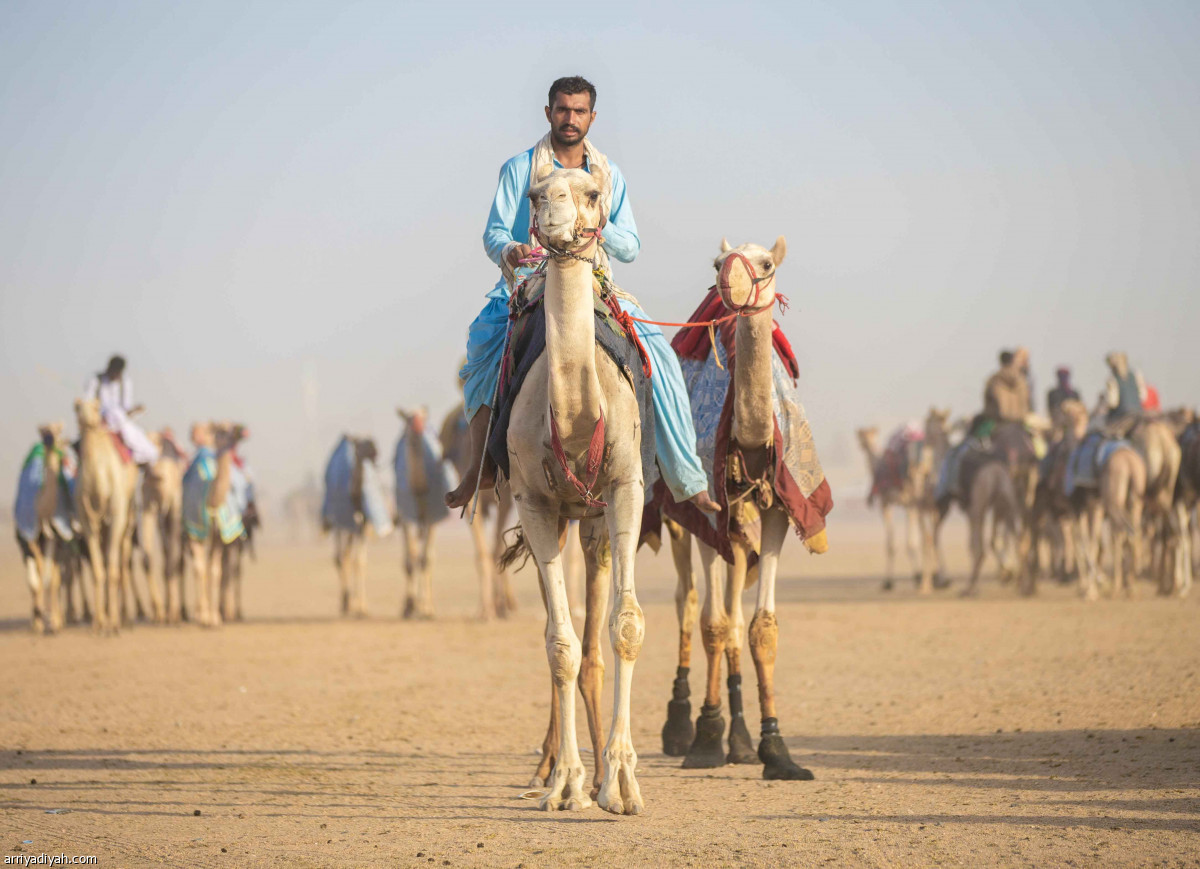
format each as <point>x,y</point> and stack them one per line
<point>997,731</point>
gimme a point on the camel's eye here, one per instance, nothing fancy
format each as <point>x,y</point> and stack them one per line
<point>767,265</point>
<point>593,197</point>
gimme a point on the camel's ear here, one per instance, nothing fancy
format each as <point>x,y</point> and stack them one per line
<point>725,246</point>
<point>544,172</point>
<point>78,405</point>
<point>779,251</point>
<point>400,412</point>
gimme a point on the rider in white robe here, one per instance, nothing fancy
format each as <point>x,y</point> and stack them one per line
<point>114,390</point>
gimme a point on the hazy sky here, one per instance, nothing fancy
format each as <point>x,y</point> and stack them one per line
<point>235,194</point>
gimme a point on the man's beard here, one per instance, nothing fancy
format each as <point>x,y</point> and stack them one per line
<point>560,138</point>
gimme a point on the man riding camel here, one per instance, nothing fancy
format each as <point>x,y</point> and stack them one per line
<point>1124,392</point>
<point>570,113</point>
<point>114,390</point>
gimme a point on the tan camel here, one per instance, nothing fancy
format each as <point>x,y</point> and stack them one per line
<point>924,480</point>
<point>722,623</point>
<point>576,397</point>
<point>1187,496</point>
<point>496,596</point>
<point>1156,440</point>
<point>894,491</point>
<point>350,543</point>
<point>40,552</point>
<point>160,528</point>
<point>209,541</point>
<point>418,520</point>
<point>104,493</point>
<point>1118,500</point>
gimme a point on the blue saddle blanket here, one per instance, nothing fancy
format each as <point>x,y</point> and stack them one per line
<point>427,506</point>
<point>339,509</point>
<point>29,483</point>
<point>197,516</point>
<point>1088,459</point>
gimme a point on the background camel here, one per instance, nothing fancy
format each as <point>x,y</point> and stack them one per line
<point>496,596</point>
<point>212,518</point>
<point>104,493</point>
<point>576,397</point>
<point>421,483</point>
<point>43,520</point>
<point>353,507</point>
<point>160,527</point>
<point>1187,498</point>
<point>1156,441</point>
<point>1117,501</point>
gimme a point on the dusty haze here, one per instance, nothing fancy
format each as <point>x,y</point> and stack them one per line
<point>275,212</point>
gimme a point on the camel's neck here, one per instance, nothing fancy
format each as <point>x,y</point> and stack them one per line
<point>872,453</point>
<point>418,482</point>
<point>753,412</point>
<point>574,388</point>
<point>223,479</point>
<point>95,443</point>
<point>47,497</point>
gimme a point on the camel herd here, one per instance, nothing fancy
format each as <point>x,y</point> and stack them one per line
<point>1129,512</point>
<point>576,456</point>
<point>95,514</point>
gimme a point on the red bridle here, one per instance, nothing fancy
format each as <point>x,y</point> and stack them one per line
<point>726,291</point>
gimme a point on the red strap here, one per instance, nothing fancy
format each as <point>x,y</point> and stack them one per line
<point>595,455</point>
<point>625,321</point>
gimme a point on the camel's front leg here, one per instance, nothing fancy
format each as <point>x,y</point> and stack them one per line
<point>54,610</point>
<point>912,540</point>
<point>889,545</point>
<point>35,571</point>
<point>1183,551</point>
<point>199,579</point>
<point>341,554</point>
<point>597,557</point>
<point>564,653</point>
<point>764,642</point>
<point>426,532</point>
<point>678,732</point>
<point>215,547</point>
<point>1088,553</point>
<point>541,775</point>
<point>410,609</point>
<point>741,749</point>
<point>148,540</point>
<point>99,581</point>
<point>620,793</point>
<point>705,751</point>
<point>358,564</point>
<point>505,599</point>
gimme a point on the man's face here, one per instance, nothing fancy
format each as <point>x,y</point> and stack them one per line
<point>570,117</point>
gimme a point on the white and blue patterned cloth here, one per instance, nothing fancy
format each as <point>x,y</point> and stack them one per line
<point>429,507</point>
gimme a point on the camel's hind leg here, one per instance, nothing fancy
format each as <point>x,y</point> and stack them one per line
<point>152,548</point>
<point>426,532</point>
<point>341,559</point>
<point>215,578</point>
<point>566,788</point>
<point>912,541</point>
<point>99,581</point>
<point>1182,567</point>
<point>597,557</point>
<point>54,608</point>
<point>410,609</point>
<point>541,776</point>
<point>678,732</point>
<point>705,751</point>
<point>484,568</point>
<point>764,644</point>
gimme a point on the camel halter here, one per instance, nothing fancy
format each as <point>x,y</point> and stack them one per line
<point>726,290</point>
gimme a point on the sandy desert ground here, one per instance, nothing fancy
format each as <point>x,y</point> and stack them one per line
<point>995,731</point>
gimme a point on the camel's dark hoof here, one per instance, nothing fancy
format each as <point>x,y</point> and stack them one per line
<point>410,608</point>
<point>678,732</point>
<point>706,751</point>
<point>777,763</point>
<point>887,585</point>
<point>741,747</point>
<point>940,581</point>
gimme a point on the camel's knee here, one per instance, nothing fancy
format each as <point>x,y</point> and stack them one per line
<point>591,669</point>
<point>714,631</point>
<point>627,629</point>
<point>764,637</point>
<point>566,656</point>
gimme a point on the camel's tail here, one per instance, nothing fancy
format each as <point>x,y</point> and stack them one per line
<point>515,547</point>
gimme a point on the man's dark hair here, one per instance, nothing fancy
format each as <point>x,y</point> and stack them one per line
<point>573,84</point>
<point>1006,357</point>
<point>116,366</point>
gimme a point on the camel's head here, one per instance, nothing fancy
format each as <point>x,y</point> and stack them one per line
<point>202,434</point>
<point>1118,362</point>
<point>937,423</point>
<point>746,274</point>
<point>868,438</point>
<point>365,449</point>
<point>87,412</point>
<point>1075,416</point>
<point>415,419</point>
<point>51,435</point>
<point>565,203</point>
<point>227,435</point>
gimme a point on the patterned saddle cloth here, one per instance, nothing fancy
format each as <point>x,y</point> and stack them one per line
<point>1089,459</point>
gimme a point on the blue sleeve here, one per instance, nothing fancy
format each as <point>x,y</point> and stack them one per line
<point>509,191</point>
<point>621,234</point>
